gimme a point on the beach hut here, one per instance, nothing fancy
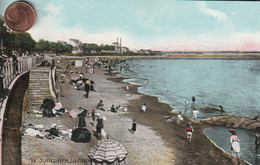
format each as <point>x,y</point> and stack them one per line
<point>108,152</point>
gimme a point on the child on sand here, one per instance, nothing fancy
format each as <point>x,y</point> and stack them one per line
<point>189,129</point>
<point>179,118</point>
<point>133,127</point>
<point>113,109</point>
<point>100,105</point>
<point>144,107</point>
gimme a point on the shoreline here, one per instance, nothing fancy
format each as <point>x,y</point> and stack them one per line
<point>228,56</point>
<point>222,155</point>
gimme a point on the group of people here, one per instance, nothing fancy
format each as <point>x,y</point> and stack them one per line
<point>234,140</point>
<point>195,112</point>
<point>83,113</point>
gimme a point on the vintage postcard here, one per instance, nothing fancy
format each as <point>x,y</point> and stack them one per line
<point>137,82</point>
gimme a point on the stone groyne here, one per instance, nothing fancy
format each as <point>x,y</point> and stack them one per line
<point>233,121</point>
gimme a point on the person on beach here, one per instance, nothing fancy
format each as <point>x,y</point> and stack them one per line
<point>127,88</point>
<point>189,129</point>
<point>109,69</point>
<point>257,142</point>
<point>143,107</point>
<point>234,143</point>
<point>100,105</point>
<point>92,86</point>
<point>133,129</point>
<point>87,87</point>
<point>99,127</point>
<point>82,114</point>
<point>93,115</point>
<point>195,114</point>
<point>113,109</point>
<point>62,78</point>
<point>179,118</point>
<point>54,131</point>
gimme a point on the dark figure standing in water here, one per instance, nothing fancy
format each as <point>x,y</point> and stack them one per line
<point>221,108</point>
<point>193,101</point>
<point>257,142</point>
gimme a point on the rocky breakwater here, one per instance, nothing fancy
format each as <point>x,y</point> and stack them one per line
<point>233,121</point>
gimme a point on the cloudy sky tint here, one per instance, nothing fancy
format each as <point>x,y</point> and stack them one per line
<point>151,24</point>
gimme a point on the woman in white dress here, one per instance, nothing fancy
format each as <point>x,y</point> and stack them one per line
<point>234,143</point>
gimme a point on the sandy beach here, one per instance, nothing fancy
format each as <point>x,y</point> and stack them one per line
<point>155,141</point>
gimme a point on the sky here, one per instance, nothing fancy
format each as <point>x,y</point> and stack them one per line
<point>164,25</point>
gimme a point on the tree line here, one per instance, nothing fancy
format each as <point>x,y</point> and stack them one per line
<point>23,42</point>
<point>54,47</point>
<point>88,48</point>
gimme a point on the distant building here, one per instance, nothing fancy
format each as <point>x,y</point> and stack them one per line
<point>124,49</point>
<point>119,48</point>
<point>63,42</point>
<point>76,46</point>
<point>116,45</point>
<point>149,52</point>
<point>144,51</point>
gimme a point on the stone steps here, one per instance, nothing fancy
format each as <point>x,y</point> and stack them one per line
<point>39,85</point>
<point>39,96</point>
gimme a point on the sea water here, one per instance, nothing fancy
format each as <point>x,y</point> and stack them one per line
<point>234,84</point>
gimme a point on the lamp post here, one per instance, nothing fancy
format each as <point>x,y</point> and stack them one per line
<point>2,46</point>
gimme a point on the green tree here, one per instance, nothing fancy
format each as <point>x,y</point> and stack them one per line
<point>59,47</point>
<point>4,37</point>
<point>53,47</point>
<point>40,46</point>
<point>67,48</point>
<point>107,47</point>
<point>24,42</point>
<point>87,48</point>
<point>47,46</point>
